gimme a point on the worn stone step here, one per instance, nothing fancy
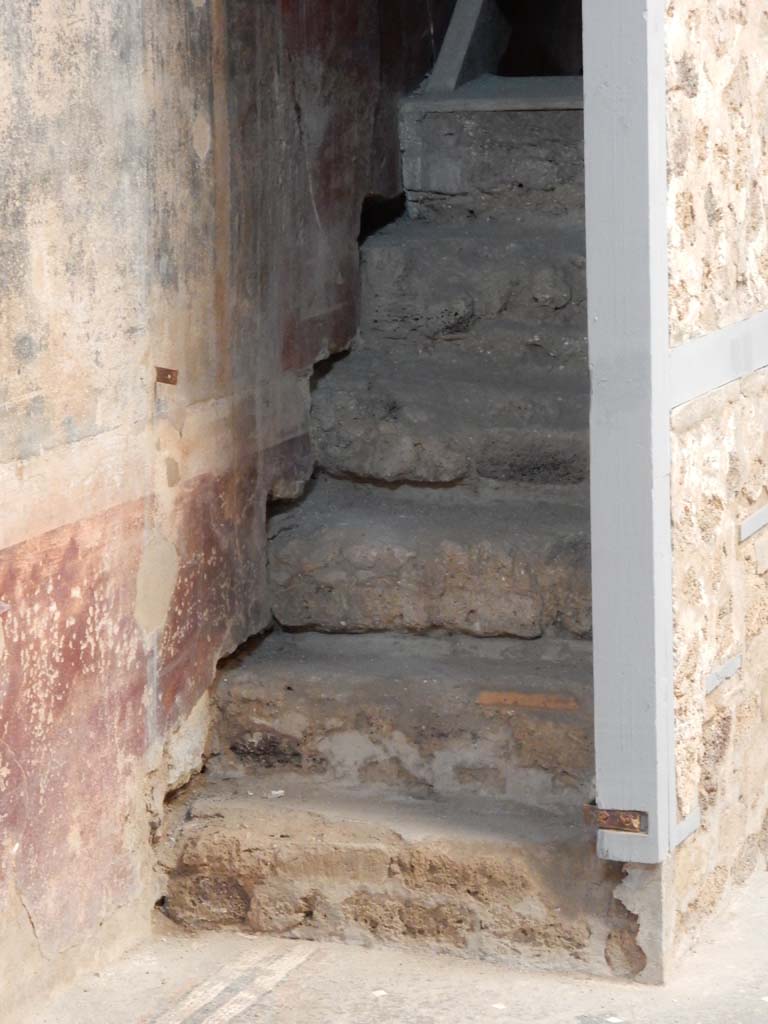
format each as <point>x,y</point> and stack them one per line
<point>525,347</point>
<point>414,714</point>
<point>479,163</point>
<point>536,347</point>
<point>473,877</point>
<point>440,414</point>
<point>427,280</point>
<point>504,561</point>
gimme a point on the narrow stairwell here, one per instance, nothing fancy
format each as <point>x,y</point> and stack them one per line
<point>405,757</point>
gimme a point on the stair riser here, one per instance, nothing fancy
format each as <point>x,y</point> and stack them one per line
<point>423,289</point>
<point>528,349</point>
<point>403,412</point>
<point>343,580</point>
<point>492,163</point>
<point>542,757</point>
<point>503,903</point>
<point>348,442</point>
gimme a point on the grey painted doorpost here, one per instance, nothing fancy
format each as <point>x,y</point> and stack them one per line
<point>626,167</point>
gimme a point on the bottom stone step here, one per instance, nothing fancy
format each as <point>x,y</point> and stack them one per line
<point>423,714</point>
<point>476,877</point>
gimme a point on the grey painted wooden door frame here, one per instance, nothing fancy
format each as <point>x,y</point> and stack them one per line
<point>628,298</point>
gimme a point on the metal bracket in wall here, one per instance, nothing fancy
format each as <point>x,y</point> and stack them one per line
<point>166,376</point>
<point>720,675</point>
<point>635,822</point>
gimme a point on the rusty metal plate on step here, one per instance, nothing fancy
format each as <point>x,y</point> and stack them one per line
<point>635,822</point>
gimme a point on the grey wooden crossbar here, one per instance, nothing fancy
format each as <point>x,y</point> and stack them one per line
<point>476,39</point>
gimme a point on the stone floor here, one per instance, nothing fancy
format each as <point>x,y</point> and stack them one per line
<point>217,978</point>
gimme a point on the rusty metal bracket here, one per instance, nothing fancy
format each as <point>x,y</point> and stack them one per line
<point>166,375</point>
<point>635,822</point>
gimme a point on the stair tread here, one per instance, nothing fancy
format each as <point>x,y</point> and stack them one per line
<point>515,512</point>
<point>457,390</point>
<point>471,665</point>
<point>415,714</point>
<point>551,342</point>
<point>496,92</point>
<point>528,229</point>
<point>339,666</point>
<point>324,812</point>
<point>532,348</point>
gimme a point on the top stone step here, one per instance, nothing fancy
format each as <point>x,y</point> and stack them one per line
<point>495,147</point>
<point>504,93</point>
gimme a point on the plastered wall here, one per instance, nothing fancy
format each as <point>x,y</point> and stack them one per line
<point>181,187</point>
<point>717,71</point>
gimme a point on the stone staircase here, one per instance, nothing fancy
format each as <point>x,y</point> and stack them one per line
<point>405,757</point>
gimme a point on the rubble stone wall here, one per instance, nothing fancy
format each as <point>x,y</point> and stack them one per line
<point>719,459</point>
<point>717,89</point>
